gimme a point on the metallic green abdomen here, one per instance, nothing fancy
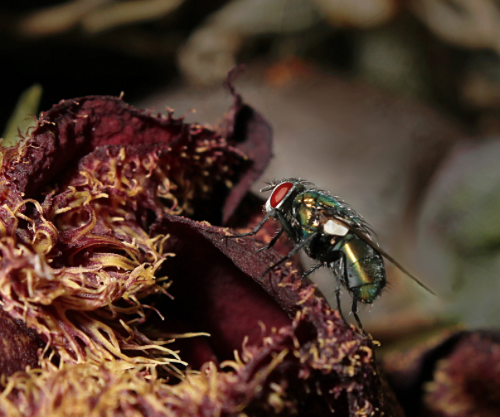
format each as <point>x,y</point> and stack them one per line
<point>364,267</point>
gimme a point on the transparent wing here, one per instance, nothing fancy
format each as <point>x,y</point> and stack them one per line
<point>365,233</point>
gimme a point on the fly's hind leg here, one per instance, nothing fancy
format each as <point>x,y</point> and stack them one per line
<point>354,311</point>
<point>341,274</point>
<point>339,271</point>
<point>337,296</point>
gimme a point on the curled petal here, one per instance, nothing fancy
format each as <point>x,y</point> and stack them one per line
<point>308,357</point>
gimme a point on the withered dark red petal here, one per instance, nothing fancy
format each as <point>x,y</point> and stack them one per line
<point>466,382</point>
<point>213,294</point>
<point>18,346</point>
<point>74,128</point>
<point>219,288</point>
<point>251,134</point>
<point>452,374</point>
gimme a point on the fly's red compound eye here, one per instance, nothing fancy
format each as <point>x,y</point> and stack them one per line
<point>280,193</point>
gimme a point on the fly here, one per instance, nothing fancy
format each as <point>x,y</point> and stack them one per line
<point>331,233</point>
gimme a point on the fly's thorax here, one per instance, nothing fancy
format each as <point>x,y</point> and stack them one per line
<point>334,206</point>
<point>323,200</point>
<point>307,216</point>
<point>314,217</point>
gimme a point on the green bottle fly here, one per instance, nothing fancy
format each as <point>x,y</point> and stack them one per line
<point>331,233</point>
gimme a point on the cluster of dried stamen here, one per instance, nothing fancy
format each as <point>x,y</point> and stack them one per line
<point>77,260</point>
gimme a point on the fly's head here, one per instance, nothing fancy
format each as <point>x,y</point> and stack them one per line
<point>283,194</point>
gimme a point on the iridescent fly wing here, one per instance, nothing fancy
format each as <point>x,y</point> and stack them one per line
<point>402,269</point>
<point>364,232</point>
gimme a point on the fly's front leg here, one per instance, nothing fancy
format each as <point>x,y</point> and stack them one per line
<point>286,225</point>
<point>255,229</point>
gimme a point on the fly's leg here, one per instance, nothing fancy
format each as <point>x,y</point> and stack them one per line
<point>286,225</point>
<point>254,230</point>
<point>354,311</point>
<point>272,242</point>
<point>339,271</point>
<point>291,253</point>
<point>311,270</point>
<point>339,308</point>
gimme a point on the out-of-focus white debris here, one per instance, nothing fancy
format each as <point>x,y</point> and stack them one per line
<point>467,23</point>
<point>210,52</point>
<point>357,13</point>
<point>126,13</point>
<point>58,18</point>
<point>92,16</point>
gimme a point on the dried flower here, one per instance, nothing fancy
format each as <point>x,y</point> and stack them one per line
<point>145,312</point>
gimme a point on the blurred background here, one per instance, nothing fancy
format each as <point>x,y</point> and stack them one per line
<point>391,104</point>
